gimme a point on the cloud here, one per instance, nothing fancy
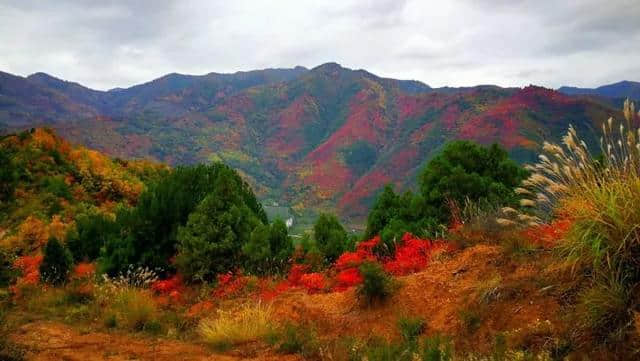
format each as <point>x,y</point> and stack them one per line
<point>511,43</point>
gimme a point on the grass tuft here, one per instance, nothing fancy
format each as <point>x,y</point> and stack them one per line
<point>251,322</point>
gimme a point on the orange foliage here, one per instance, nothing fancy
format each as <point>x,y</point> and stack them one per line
<point>83,270</point>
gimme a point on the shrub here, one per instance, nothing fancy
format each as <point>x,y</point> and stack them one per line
<point>134,308</point>
<point>251,322</point>
<point>411,327</point>
<point>471,320</point>
<point>56,264</point>
<point>300,339</point>
<point>376,286</point>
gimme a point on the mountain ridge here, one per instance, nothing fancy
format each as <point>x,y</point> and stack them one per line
<point>325,138</point>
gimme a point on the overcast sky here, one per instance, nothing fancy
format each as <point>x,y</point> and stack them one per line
<point>106,44</point>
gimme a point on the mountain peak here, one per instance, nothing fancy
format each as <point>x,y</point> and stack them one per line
<point>330,67</point>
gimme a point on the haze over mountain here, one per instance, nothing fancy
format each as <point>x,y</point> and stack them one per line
<point>322,138</point>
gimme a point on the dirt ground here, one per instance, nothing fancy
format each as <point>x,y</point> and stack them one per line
<point>440,295</point>
<point>50,341</point>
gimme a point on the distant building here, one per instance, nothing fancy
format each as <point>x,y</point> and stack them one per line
<point>280,212</point>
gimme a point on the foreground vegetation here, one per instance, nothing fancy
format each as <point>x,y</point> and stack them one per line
<point>189,254</point>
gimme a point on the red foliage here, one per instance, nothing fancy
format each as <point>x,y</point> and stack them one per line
<point>412,256</point>
<point>313,282</point>
<point>200,308</point>
<point>296,272</point>
<point>228,285</point>
<point>268,291</point>
<point>347,278</point>
<point>168,286</point>
<point>29,266</point>
<point>548,235</point>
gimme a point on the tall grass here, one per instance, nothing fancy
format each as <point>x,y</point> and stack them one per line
<point>601,196</point>
<point>250,322</point>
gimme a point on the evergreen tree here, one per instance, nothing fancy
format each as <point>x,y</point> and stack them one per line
<point>212,240</point>
<point>330,236</point>
<point>465,170</point>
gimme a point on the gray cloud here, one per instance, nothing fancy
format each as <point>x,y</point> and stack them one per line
<point>120,43</point>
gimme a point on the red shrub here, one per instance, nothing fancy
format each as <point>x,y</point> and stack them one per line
<point>347,278</point>
<point>84,270</point>
<point>228,285</point>
<point>313,282</point>
<point>29,266</point>
<point>296,272</point>
<point>168,286</point>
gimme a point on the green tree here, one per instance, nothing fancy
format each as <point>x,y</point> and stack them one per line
<point>8,176</point>
<point>330,236</point>
<point>148,233</point>
<point>7,272</point>
<point>56,263</point>
<point>89,235</point>
<point>465,170</point>
<point>385,208</point>
<point>269,248</point>
<point>212,240</point>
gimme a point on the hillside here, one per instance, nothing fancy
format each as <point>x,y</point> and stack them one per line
<point>325,138</point>
<point>47,183</point>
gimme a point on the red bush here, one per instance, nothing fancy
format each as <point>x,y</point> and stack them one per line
<point>296,272</point>
<point>313,282</point>
<point>229,285</point>
<point>84,270</point>
<point>347,278</point>
<point>29,266</point>
<point>168,286</point>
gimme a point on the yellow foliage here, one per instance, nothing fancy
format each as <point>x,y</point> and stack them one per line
<point>33,232</point>
<point>250,322</point>
<point>57,228</point>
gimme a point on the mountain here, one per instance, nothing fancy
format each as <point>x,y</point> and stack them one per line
<point>326,138</point>
<point>623,89</point>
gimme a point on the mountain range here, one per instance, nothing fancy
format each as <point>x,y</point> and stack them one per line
<point>327,138</point>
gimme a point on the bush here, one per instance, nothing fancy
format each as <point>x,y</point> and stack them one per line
<point>134,308</point>
<point>376,286</point>
<point>251,322</point>
<point>330,237</point>
<point>300,339</point>
<point>56,264</point>
<point>411,327</point>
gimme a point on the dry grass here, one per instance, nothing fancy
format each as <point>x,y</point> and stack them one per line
<point>601,197</point>
<point>250,322</point>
